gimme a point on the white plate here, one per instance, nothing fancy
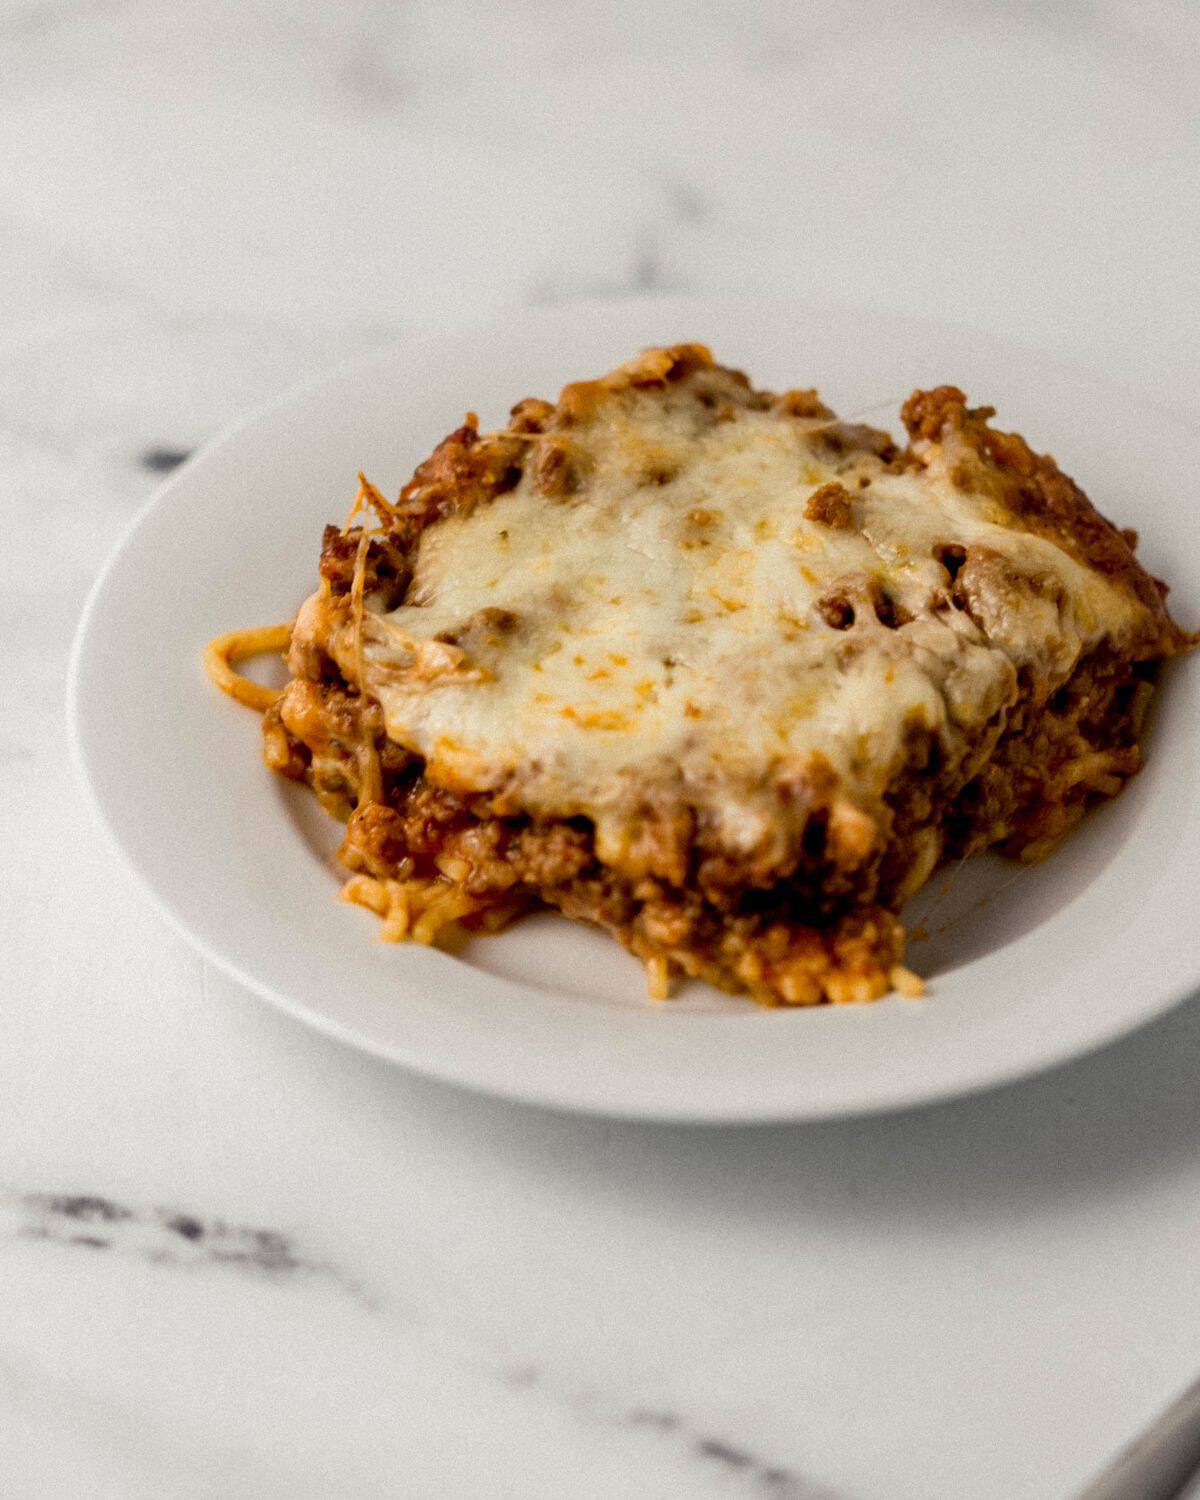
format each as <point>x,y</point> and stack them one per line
<point>1026,967</point>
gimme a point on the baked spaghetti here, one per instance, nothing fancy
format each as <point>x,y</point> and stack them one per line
<point>713,670</point>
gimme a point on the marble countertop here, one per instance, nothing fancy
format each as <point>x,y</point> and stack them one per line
<point>238,1260</point>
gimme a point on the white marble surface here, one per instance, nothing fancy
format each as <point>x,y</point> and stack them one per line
<point>236,1260</point>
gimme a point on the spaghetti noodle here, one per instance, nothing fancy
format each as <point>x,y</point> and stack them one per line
<point>237,645</point>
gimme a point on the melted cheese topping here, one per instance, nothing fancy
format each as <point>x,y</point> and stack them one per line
<point>662,631</point>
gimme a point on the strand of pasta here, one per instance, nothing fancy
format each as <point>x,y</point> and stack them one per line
<point>357,587</point>
<point>236,645</point>
<point>413,910</point>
